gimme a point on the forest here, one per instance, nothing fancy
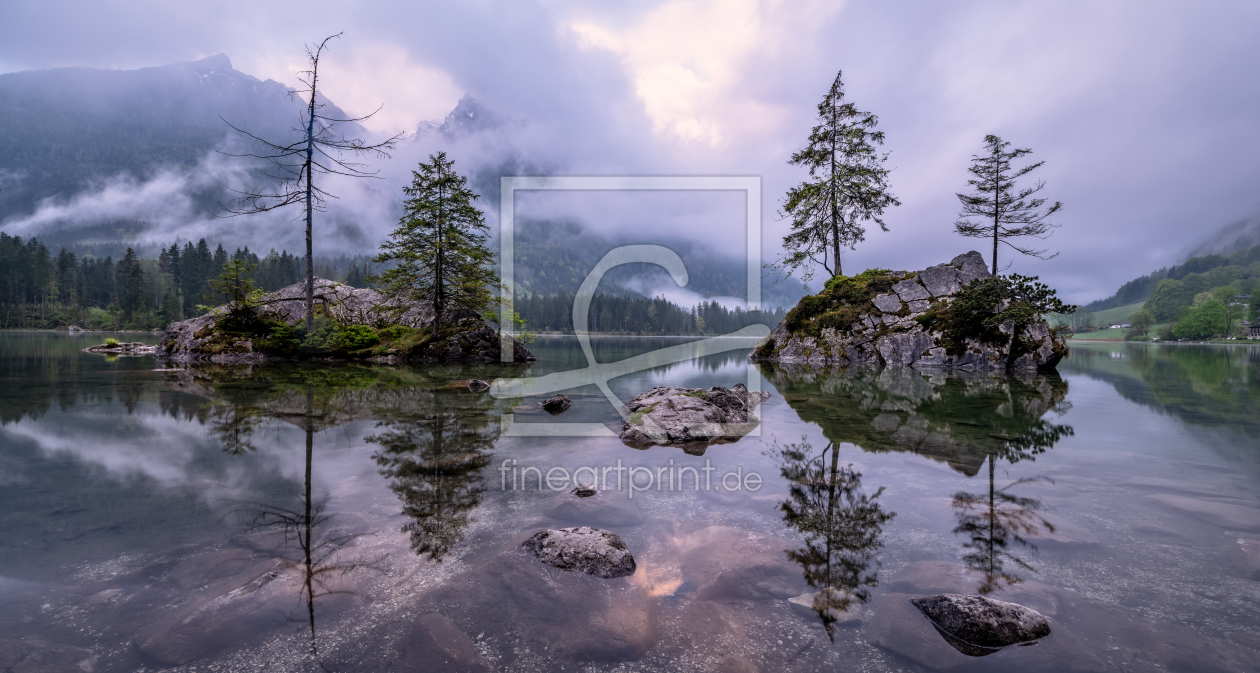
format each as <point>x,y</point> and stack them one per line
<point>40,290</point>
<point>614,314</point>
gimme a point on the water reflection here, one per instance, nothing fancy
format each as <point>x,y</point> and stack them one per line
<point>842,527</point>
<point>435,439</point>
<point>434,456</point>
<point>320,567</point>
<point>963,419</point>
<point>1211,386</point>
<point>959,418</point>
<point>991,524</point>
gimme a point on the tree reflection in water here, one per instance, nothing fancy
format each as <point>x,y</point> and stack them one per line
<point>434,459</point>
<point>960,418</point>
<point>316,556</point>
<point>841,524</point>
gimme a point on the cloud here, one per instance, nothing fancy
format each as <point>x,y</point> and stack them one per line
<point>1143,112</point>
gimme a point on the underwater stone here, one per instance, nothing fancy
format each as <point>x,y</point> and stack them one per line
<point>983,622</point>
<point>590,550</point>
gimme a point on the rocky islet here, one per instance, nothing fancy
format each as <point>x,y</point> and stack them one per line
<point>883,318</point>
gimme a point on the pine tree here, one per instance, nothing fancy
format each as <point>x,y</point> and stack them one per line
<point>130,281</point>
<point>847,186</point>
<point>1003,211</point>
<point>439,249</point>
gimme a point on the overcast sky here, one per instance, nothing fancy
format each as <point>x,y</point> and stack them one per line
<point>1146,113</point>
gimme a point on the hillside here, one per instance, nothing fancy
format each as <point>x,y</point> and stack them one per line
<point>64,128</point>
<point>1140,289</point>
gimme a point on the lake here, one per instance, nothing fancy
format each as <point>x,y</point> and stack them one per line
<point>353,517</point>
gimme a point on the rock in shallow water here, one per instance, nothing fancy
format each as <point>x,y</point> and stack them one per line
<point>590,550</point>
<point>981,621</point>
<point>666,415</point>
<point>569,615</point>
<point>599,508</point>
<point>557,404</point>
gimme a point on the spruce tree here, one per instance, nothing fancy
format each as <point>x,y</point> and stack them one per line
<point>438,251</point>
<point>847,186</point>
<point>130,281</point>
<point>1003,211</point>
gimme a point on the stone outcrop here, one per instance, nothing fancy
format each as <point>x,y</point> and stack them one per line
<point>122,348</point>
<point>666,415</point>
<point>585,549</point>
<point>467,339</point>
<point>555,405</point>
<point>465,336</point>
<point>886,329</point>
<point>979,625</point>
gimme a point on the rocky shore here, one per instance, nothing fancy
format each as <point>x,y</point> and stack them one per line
<point>464,338</point>
<point>891,318</point>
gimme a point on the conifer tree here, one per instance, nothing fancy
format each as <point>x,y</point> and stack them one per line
<point>847,186</point>
<point>1003,211</point>
<point>439,248</point>
<point>130,281</point>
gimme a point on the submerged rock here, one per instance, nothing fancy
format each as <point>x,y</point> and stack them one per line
<point>667,415</point>
<point>724,563</point>
<point>589,506</point>
<point>555,405</point>
<point>898,626</point>
<point>435,644</point>
<point>888,320</point>
<point>590,550</point>
<point>37,655</point>
<point>810,605</point>
<point>122,348</point>
<point>1222,514</point>
<point>567,614</point>
<point>982,623</point>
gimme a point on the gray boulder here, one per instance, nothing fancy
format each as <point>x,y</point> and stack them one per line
<point>981,623</point>
<point>885,329</point>
<point>590,550</point>
<point>555,405</point>
<point>666,415</point>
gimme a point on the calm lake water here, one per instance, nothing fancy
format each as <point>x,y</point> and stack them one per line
<point>347,517</point>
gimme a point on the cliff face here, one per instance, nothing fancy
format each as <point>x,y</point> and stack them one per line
<point>893,318</point>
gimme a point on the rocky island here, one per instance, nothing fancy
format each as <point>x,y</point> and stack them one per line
<point>953,315</point>
<point>351,322</point>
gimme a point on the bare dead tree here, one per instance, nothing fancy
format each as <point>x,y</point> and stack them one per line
<point>319,150</point>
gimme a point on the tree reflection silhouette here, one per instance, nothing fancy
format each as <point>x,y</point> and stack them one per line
<point>961,418</point>
<point>991,524</point>
<point>434,460</point>
<point>317,556</point>
<point>842,527</point>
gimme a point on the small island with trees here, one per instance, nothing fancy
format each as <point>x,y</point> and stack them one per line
<point>432,304</point>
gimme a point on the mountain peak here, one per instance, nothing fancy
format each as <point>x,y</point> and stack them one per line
<point>212,63</point>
